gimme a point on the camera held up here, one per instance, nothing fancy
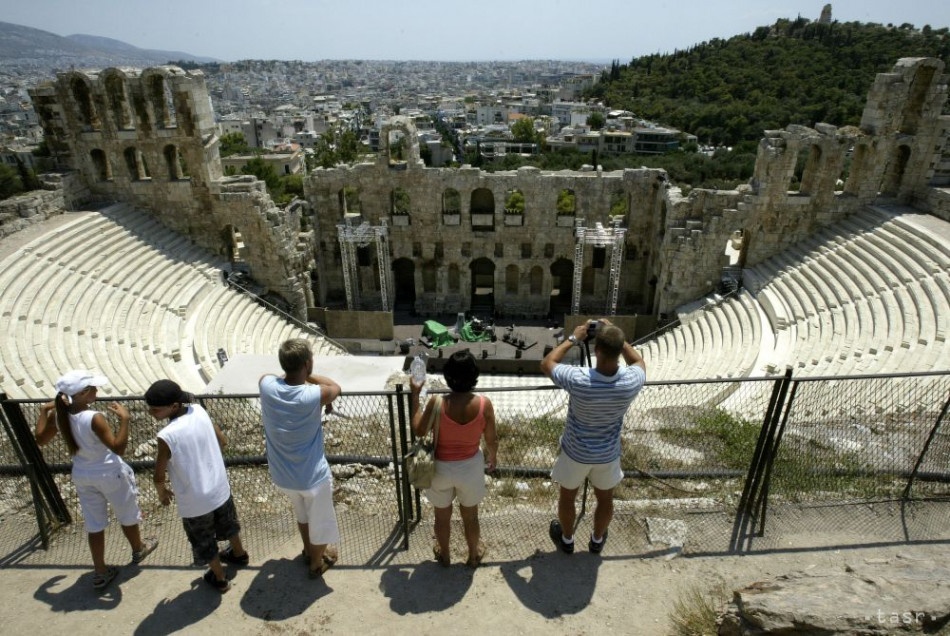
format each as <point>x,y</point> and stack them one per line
<point>593,327</point>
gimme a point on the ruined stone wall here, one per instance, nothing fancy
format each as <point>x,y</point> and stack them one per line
<point>521,248</point>
<point>148,138</point>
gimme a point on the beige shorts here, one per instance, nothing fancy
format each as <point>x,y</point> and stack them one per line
<point>463,480</point>
<point>571,474</point>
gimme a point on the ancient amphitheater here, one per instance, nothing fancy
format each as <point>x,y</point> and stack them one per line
<point>846,274</point>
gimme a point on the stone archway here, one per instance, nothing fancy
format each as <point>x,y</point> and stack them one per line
<point>404,281</point>
<point>483,286</point>
<point>562,281</point>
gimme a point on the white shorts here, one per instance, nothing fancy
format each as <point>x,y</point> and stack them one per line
<point>315,508</point>
<point>571,474</point>
<point>463,480</point>
<point>114,486</point>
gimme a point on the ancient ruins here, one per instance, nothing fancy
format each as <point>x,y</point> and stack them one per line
<point>391,232</point>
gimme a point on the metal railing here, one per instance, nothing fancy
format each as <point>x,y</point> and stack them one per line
<point>727,463</point>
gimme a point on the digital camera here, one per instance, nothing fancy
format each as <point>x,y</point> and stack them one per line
<point>593,328</point>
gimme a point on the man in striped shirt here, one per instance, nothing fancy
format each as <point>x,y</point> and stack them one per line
<point>590,444</point>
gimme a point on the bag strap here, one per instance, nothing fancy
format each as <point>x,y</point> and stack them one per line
<point>434,417</point>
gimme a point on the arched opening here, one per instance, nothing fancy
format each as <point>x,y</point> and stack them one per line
<point>428,278</point>
<point>894,173</point>
<point>101,163</point>
<point>566,207</point>
<point>451,201</point>
<point>857,170</point>
<point>483,285</point>
<point>511,279</point>
<point>135,162</point>
<point>808,177</point>
<point>233,248</point>
<point>536,280</point>
<point>404,283</point>
<point>562,279</point>
<point>118,102</point>
<point>619,203</point>
<point>399,206</point>
<point>87,110</point>
<point>160,95</point>
<point>173,163</point>
<point>454,279</point>
<point>349,199</point>
<point>398,148</point>
<point>514,201</point>
<point>483,209</point>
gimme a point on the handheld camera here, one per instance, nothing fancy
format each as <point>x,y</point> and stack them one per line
<point>593,328</point>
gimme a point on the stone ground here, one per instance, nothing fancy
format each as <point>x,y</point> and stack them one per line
<point>547,591</point>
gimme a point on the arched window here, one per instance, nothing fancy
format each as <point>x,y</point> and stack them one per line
<point>118,102</point>
<point>511,279</point>
<point>537,280</point>
<point>101,163</point>
<point>399,203</point>
<point>483,209</point>
<point>428,278</point>
<point>173,162</point>
<point>163,105</point>
<point>88,116</point>
<point>454,282</point>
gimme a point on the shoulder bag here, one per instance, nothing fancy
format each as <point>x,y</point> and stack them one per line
<point>420,460</point>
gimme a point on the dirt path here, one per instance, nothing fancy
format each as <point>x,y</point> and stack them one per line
<point>580,594</point>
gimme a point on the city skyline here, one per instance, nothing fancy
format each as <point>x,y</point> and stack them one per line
<point>429,30</point>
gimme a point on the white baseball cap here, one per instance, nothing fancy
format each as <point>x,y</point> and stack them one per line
<point>72,382</point>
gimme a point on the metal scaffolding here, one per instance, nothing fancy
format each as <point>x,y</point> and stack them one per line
<point>611,238</point>
<point>353,237</point>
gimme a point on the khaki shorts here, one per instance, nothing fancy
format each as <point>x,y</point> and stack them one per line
<point>463,480</point>
<point>571,474</point>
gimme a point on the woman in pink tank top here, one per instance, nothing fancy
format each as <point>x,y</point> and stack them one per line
<point>460,465</point>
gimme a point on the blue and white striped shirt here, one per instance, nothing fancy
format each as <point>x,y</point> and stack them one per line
<point>596,409</point>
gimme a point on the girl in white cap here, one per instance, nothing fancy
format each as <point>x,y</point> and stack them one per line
<point>100,475</point>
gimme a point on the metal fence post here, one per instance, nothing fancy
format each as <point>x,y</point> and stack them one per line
<point>407,510</point>
<point>28,452</point>
<point>398,473</point>
<point>748,501</point>
<point>923,452</point>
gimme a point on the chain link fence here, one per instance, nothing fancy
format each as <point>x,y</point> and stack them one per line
<point>844,452</point>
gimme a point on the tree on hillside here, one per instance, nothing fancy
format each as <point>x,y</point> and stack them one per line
<point>233,144</point>
<point>596,120</point>
<point>523,130</point>
<point>9,182</point>
<point>266,173</point>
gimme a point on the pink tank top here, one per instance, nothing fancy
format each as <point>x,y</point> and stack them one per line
<point>460,441</point>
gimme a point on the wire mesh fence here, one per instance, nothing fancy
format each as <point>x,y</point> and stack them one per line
<point>687,452</point>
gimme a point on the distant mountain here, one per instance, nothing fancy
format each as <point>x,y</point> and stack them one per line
<point>29,47</point>
<point>108,44</point>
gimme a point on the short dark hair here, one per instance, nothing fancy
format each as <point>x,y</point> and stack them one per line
<point>460,371</point>
<point>610,340</point>
<point>294,355</point>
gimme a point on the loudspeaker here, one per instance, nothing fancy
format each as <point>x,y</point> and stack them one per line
<point>364,256</point>
<point>599,258</point>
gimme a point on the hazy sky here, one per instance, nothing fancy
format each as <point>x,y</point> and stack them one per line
<point>309,30</point>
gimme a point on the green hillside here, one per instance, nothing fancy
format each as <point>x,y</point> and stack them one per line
<point>793,72</point>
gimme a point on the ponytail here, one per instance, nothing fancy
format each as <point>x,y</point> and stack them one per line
<point>62,422</point>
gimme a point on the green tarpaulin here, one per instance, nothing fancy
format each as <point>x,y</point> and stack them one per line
<point>437,334</point>
<point>468,334</point>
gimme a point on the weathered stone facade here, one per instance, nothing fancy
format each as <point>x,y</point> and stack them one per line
<point>148,138</point>
<point>451,242</point>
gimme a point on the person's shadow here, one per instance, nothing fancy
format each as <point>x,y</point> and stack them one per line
<point>553,584</point>
<point>188,608</point>
<point>427,587</point>
<point>281,590</point>
<point>77,597</point>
